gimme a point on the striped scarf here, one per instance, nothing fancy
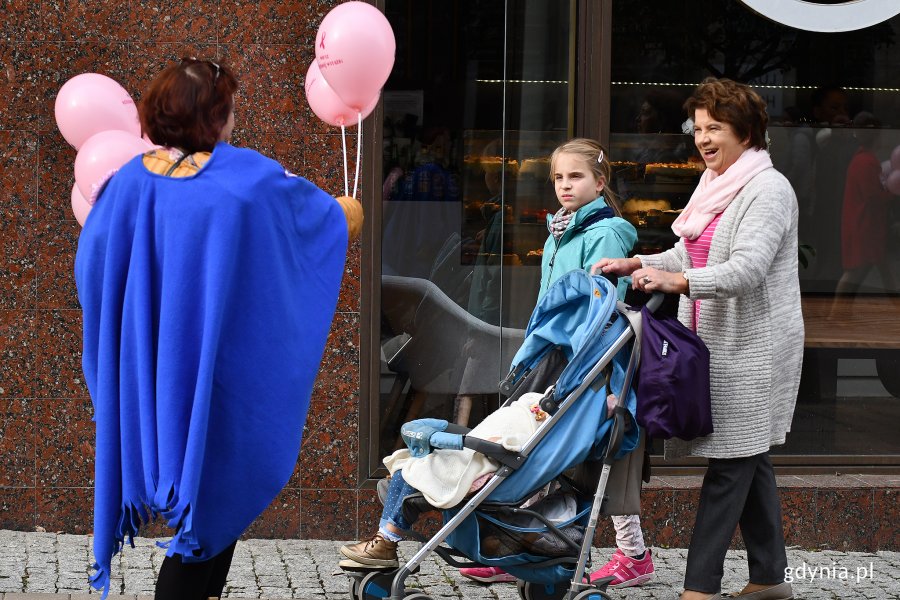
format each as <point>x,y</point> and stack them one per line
<point>560,222</point>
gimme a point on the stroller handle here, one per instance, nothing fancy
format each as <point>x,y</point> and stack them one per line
<point>655,301</point>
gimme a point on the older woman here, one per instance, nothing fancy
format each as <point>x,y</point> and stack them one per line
<point>735,267</point>
<point>208,277</point>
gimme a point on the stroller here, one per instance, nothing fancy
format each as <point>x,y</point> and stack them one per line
<point>576,352</point>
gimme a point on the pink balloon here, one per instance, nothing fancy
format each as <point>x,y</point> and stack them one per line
<point>355,49</point>
<point>102,154</point>
<point>90,103</point>
<point>895,159</point>
<point>80,206</point>
<point>326,104</point>
<point>893,182</point>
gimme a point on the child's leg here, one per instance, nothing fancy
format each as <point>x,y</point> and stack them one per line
<point>392,520</point>
<point>632,563</point>
<point>381,549</point>
<point>629,537</point>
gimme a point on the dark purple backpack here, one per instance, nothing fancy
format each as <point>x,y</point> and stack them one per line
<point>673,381</point>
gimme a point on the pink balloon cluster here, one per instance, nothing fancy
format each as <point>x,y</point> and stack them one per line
<point>355,49</point>
<point>891,171</point>
<point>98,117</point>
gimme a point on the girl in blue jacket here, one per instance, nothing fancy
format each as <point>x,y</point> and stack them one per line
<point>589,223</point>
<point>587,227</point>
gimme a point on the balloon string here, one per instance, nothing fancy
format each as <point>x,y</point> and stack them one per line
<point>344,144</point>
<point>358,149</point>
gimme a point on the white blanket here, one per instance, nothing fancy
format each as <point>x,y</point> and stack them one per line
<point>445,476</point>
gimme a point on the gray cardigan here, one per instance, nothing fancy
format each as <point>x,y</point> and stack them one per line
<point>750,319</point>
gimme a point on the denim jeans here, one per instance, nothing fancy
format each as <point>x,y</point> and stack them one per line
<point>392,512</point>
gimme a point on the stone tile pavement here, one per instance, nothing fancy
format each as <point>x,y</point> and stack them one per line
<point>48,566</point>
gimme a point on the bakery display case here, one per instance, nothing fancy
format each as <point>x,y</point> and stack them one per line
<point>654,176</point>
<point>509,172</point>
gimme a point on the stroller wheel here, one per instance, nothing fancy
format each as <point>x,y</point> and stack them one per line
<point>376,585</point>
<point>542,591</point>
<point>591,595</point>
<point>353,587</point>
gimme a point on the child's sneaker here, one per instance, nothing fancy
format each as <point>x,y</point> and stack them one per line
<point>487,575</point>
<point>374,552</point>
<point>626,570</point>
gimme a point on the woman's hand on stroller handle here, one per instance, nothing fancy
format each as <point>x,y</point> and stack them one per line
<point>616,266</point>
<point>650,280</point>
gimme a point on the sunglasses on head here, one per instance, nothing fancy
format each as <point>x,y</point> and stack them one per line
<point>191,60</point>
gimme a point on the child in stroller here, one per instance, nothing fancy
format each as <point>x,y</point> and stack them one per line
<point>444,478</point>
<point>573,342</point>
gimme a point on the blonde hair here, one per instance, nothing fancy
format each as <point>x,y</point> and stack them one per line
<point>596,159</point>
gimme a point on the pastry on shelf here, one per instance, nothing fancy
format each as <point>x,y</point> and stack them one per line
<point>534,257</point>
<point>510,259</point>
<point>648,212</point>
<point>533,215</point>
<point>627,170</point>
<point>536,167</point>
<point>633,205</point>
<point>491,162</point>
<point>688,170</point>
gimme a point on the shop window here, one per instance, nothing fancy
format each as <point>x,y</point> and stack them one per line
<point>480,94</point>
<point>823,113</point>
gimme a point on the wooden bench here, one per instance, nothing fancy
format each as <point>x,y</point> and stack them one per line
<point>852,327</point>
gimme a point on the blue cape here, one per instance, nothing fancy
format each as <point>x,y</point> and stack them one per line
<point>207,301</point>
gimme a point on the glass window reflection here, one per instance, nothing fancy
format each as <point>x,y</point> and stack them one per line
<point>833,124</point>
<point>479,97</point>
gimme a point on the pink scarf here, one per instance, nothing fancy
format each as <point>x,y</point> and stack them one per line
<point>715,192</point>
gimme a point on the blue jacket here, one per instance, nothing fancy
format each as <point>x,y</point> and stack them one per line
<point>592,234</point>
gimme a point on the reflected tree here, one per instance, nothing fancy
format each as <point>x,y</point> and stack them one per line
<point>727,39</point>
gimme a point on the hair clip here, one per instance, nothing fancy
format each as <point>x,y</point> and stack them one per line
<point>539,414</point>
<point>600,158</point>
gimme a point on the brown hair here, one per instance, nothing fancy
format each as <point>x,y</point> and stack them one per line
<point>188,104</point>
<point>590,151</point>
<point>735,104</point>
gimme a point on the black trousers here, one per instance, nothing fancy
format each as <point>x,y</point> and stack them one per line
<point>737,491</point>
<point>193,580</point>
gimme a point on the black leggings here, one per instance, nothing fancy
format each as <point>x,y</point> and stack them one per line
<point>194,580</point>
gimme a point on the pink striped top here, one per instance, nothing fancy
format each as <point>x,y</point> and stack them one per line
<point>698,251</point>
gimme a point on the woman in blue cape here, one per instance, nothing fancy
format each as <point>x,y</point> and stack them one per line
<point>208,278</point>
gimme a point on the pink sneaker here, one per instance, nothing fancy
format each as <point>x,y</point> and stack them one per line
<point>626,570</point>
<point>487,575</point>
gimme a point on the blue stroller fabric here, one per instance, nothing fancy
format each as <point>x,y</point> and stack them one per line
<point>577,314</point>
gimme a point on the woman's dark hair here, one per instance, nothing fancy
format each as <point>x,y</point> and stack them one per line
<point>735,104</point>
<point>188,104</point>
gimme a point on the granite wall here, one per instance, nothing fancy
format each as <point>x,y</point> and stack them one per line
<point>46,470</point>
